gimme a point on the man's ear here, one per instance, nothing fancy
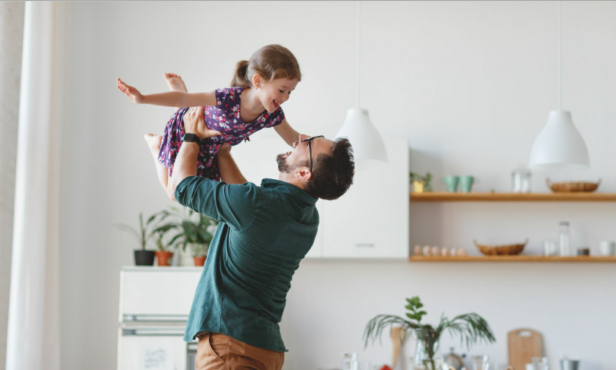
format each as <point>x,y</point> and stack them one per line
<point>302,173</point>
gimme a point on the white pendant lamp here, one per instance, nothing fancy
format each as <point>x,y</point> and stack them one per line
<point>559,145</point>
<point>367,143</point>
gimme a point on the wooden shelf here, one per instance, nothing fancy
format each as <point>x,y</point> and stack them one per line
<point>522,258</point>
<point>512,197</point>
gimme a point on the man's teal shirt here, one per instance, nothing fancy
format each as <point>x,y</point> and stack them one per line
<point>264,233</point>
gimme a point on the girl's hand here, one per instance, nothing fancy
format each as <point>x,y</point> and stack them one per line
<point>133,94</point>
<point>195,124</point>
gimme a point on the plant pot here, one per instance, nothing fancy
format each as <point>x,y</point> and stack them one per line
<point>185,257</point>
<point>196,249</point>
<point>144,257</point>
<point>199,260</point>
<point>418,186</point>
<point>163,257</point>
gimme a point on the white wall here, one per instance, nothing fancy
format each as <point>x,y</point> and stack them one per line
<point>469,83</point>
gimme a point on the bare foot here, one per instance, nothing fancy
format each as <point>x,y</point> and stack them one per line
<point>175,82</point>
<point>154,142</point>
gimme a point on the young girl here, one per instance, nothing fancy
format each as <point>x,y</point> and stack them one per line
<point>258,88</point>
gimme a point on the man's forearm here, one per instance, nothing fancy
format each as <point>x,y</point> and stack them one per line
<point>229,172</point>
<point>185,165</point>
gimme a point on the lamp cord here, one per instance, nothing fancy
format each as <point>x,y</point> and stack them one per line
<point>560,57</point>
<point>357,48</point>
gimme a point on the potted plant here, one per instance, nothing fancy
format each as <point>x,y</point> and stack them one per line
<point>193,229</point>
<point>200,254</point>
<point>163,253</point>
<point>143,257</point>
<point>421,183</point>
<point>471,328</point>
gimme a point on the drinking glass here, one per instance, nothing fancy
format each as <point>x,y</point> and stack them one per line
<point>540,363</point>
<point>549,248</point>
<point>480,363</point>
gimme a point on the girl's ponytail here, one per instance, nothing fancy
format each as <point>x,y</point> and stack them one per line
<point>269,62</point>
<point>240,78</point>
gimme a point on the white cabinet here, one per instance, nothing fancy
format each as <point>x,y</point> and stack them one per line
<point>161,291</point>
<point>154,307</point>
<point>370,221</point>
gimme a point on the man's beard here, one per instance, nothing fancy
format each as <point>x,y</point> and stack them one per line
<point>283,166</point>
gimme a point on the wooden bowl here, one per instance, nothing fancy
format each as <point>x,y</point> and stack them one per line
<point>573,187</point>
<point>501,250</point>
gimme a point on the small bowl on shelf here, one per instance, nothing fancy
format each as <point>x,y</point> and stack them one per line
<point>573,187</point>
<point>501,250</point>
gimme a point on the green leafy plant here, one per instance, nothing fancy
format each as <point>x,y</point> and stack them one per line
<point>200,250</point>
<point>413,176</point>
<point>144,233</point>
<point>471,328</point>
<point>191,228</point>
<point>162,243</point>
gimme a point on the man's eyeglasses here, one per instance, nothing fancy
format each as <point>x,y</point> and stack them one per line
<point>309,140</point>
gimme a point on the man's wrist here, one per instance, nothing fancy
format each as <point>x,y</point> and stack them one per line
<point>191,142</point>
<point>191,137</point>
<point>195,132</point>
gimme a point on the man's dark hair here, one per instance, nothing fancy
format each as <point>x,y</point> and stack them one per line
<point>332,175</point>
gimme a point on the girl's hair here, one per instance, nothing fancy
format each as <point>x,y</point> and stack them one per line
<point>269,62</point>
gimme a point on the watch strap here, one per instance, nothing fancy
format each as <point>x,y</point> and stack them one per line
<point>191,138</point>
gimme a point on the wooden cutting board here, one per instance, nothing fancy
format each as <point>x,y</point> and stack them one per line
<point>523,345</point>
<point>397,337</point>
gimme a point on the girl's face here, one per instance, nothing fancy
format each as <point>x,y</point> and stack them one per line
<point>273,93</point>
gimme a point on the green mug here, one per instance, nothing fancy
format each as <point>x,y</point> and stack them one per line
<point>452,183</point>
<point>466,183</point>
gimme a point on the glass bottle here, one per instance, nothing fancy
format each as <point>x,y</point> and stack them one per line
<point>564,239</point>
<point>349,361</point>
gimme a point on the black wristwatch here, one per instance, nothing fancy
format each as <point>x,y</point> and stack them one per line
<point>191,138</point>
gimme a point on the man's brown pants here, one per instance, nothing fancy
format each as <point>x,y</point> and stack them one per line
<point>220,352</point>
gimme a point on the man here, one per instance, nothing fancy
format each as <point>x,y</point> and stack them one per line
<point>263,235</point>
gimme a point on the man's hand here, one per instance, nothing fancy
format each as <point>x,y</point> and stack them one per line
<point>133,94</point>
<point>225,148</point>
<point>195,124</point>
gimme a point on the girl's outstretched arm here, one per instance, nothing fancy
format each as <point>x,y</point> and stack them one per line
<point>168,99</point>
<point>286,132</point>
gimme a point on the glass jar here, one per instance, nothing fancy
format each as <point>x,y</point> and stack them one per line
<point>564,239</point>
<point>520,179</point>
<point>480,362</point>
<point>426,357</point>
<point>540,363</point>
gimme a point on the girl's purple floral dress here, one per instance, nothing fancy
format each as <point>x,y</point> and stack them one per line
<point>225,118</point>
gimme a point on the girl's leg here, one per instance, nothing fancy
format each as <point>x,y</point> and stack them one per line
<point>175,83</point>
<point>162,171</point>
